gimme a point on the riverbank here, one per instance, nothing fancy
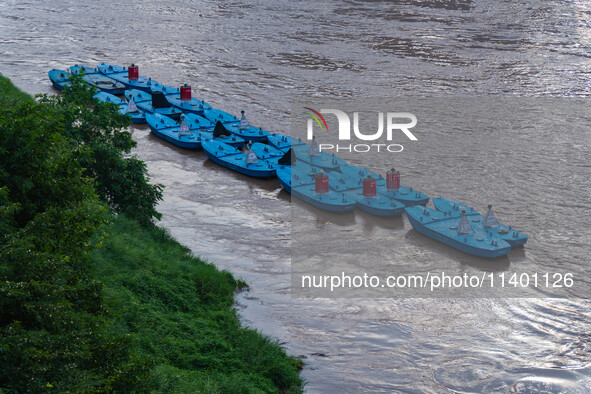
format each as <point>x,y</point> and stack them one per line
<point>179,311</point>
<point>153,317</point>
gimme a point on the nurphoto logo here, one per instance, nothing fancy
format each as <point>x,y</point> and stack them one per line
<point>394,123</point>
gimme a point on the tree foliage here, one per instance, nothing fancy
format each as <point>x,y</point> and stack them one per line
<point>54,328</point>
<point>121,180</point>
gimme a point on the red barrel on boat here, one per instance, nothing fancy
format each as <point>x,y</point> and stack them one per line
<point>369,186</point>
<point>185,93</point>
<point>133,72</point>
<point>321,182</point>
<point>393,179</point>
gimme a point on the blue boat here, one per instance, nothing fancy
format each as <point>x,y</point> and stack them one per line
<point>311,155</point>
<point>217,115</point>
<point>121,74</point>
<point>60,79</point>
<point>169,130</point>
<point>79,69</point>
<point>232,158</point>
<point>181,98</point>
<point>283,142</point>
<point>92,77</point>
<point>158,87</point>
<point>152,103</point>
<point>375,204</point>
<point>188,106</point>
<point>378,205</point>
<point>248,132</point>
<point>207,130</point>
<point>487,223</point>
<point>267,152</point>
<point>137,115</point>
<point>239,127</point>
<point>405,195</point>
<point>456,232</point>
<point>298,180</point>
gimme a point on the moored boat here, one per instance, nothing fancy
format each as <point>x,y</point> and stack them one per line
<point>283,142</point>
<point>487,223</point>
<point>137,115</point>
<point>456,232</point>
<point>311,155</point>
<point>365,194</point>
<point>79,69</point>
<point>181,99</point>
<point>209,131</point>
<point>266,152</point>
<point>248,132</point>
<point>232,158</point>
<point>217,115</point>
<point>239,127</point>
<point>310,185</point>
<point>60,79</point>
<point>389,187</point>
<point>127,76</point>
<point>155,102</point>
<point>169,130</point>
<point>93,77</point>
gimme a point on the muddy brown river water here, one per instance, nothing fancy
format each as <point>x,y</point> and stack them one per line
<point>260,56</point>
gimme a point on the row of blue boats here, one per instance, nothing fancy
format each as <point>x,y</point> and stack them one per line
<point>320,179</point>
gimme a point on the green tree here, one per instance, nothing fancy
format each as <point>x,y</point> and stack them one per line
<point>121,180</point>
<point>54,329</point>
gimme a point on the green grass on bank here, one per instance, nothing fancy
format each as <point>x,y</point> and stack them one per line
<point>179,311</point>
<point>7,88</point>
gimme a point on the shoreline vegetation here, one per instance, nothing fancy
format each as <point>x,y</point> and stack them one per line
<point>93,295</point>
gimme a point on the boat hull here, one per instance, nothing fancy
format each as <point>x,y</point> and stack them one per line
<point>181,144</point>
<point>500,250</point>
<point>233,159</point>
<point>331,201</point>
<point>454,208</point>
<point>59,79</point>
<point>57,85</point>
<point>285,183</point>
<point>249,172</point>
<point>379,205</point>
<point>307,194</point>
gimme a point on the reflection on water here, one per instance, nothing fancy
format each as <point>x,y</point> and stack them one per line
<point>258,55</point>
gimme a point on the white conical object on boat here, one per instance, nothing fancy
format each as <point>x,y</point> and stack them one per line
<point>131,107</point>
<point>251,157</point>
<point>464,226</point>
<point>184,130</point>
<point>489,219</point>
<point>314,150</point>
<point>243,123</point>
